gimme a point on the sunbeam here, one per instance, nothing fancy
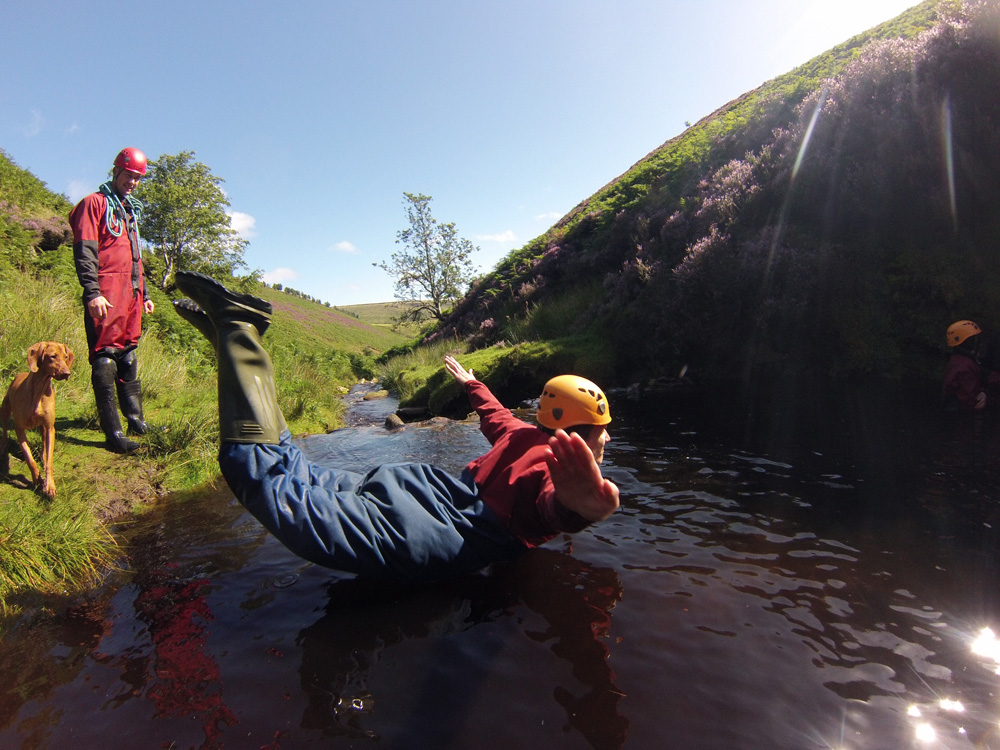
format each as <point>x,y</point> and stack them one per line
<point>805,139</point>
<point>949,160</point>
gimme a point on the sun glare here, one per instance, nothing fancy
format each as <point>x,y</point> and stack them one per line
<point>926,733</point>
<point>987,645</point>
<point>822,24</point>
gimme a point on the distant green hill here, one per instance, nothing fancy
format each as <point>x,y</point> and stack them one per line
<point>382,314</point>
<point>335,327</point>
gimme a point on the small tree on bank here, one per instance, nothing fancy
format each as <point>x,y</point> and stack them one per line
<point>434,268</point>
<point>185,221</point>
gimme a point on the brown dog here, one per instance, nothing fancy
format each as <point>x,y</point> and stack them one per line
<point>32,403</point>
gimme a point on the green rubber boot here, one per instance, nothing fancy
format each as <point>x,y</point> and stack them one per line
<point>221,304</point>
<point>248,398</point>
<point>194,315</point>
<point>248,403</point>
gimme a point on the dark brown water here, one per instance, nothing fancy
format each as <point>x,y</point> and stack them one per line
<point>798,575</point>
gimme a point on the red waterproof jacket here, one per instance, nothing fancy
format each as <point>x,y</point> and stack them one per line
<point>513,478</point>
<point>108,264</point>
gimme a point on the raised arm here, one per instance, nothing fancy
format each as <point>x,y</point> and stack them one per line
<point>456,370</point>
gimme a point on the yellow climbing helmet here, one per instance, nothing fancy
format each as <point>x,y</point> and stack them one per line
<point>960,330</point>
<point>569,400</point>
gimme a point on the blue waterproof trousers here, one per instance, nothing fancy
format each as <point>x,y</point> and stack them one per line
<point>405,522</point>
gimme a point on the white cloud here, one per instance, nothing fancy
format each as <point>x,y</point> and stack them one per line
<point>344,247</point>
<point>35,125</point>
<point>506,237</point>
<point>550,216</point>
<point>73,129</point>
<point>279,275</point>
<point>78,189</point>
<point>244,224</point>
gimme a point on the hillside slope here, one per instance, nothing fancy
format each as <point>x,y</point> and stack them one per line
<point>834,220</point>
<point>329,327</point>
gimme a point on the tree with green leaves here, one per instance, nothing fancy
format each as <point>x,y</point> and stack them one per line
<point>434,268</point>
<point>184,220</point>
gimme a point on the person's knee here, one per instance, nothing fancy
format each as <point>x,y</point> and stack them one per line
<point>103,371</point>
<point>128,366</point>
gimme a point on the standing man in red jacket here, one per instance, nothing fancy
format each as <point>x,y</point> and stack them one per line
<point>109,265</point>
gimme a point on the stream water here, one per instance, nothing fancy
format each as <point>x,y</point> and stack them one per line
<point>803,574</point>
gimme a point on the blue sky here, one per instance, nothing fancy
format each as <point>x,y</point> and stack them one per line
<point>320,115</point>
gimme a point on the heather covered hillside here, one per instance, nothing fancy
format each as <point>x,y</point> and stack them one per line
<point>836,219</point>
<point>31,216</point>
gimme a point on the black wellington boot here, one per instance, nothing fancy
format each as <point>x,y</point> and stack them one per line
<point>102,377</point>
<point>130,399</point>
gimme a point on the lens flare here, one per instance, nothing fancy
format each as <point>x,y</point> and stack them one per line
<point>949,159</point>
<point>987,645</point>
<point>809,130</point>
<point>926,733</point>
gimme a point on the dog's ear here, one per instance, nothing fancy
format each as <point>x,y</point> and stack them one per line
<point>34,353</point>
<point>68,355</point>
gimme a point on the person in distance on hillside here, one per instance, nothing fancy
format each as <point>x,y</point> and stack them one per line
<point>108,263</point>
<point>403,522</point>
<point>969,377</point>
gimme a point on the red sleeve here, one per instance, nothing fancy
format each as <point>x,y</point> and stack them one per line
<point>495,420</point>
<point>556,515</point>
<point>514,477</point>
<point>85,221</point>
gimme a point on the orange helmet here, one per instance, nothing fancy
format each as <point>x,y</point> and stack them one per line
<point>131,159</point>
<point>569,400</point>
<point>960,331</point>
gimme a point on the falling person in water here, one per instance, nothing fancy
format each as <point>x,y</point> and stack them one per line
<point>408,521</point>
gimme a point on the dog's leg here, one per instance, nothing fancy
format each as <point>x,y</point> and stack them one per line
<point>22,439</point>
<point>4,417</point>
<point>48,449</point>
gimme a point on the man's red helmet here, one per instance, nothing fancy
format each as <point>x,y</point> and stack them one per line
<point>131,159</point>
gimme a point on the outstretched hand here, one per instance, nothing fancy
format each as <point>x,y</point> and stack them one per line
<point>577,478</point>
<point>456,370</point>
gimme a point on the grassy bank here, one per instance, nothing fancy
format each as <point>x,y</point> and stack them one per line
<point>52,546</point>
<point>514,373</point>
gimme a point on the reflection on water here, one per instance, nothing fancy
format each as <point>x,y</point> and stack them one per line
<point>768,583</point>
<point>550,599</point>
